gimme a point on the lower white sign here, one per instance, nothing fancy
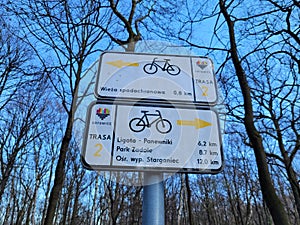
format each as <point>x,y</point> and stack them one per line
<point>153,138</point>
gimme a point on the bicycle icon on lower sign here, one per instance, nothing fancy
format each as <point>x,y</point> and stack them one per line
<point>139,124</point>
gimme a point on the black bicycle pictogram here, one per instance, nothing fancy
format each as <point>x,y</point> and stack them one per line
<point>139,124</point>
<point>152,68</point>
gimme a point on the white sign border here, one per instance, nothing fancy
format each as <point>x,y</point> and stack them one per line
<point>148,100</point>
<point>141,168</point>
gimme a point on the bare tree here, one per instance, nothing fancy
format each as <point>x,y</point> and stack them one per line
<point>20,129</point>
<point>61,27</point>
<point>13,58</point>
<point>246,42</point>
<point>125,31</point>
<point>274,204</point>
<point>257,64</point>
<point>279,95</point>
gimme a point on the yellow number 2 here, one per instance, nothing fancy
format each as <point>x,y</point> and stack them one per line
<point>97,153</point>
<point>205,90</point>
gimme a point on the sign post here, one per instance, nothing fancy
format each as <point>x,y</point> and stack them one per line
<point>153,199</point>
<point>155,115</point>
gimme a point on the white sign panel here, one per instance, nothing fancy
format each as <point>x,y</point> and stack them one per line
<point>187,79</point>
<point>156,138</point>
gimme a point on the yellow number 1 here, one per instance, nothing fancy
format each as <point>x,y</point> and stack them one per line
<point>97,153</point>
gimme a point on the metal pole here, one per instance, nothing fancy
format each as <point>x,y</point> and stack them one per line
<point>153,199</point>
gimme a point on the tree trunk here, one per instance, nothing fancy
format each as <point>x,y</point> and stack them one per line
<point>188,199</point>
<point>269,193</point>
<point>93,213</point>
<point>59,173</point>
<point>74,216</point>
<point>292,178</point>
<point>291,174</point>
<point>47,191</point>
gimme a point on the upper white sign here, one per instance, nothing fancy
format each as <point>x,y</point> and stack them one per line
<point>188,79</point>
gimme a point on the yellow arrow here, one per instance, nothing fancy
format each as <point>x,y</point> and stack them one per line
<point>121,63</point>
<point>196,122</point>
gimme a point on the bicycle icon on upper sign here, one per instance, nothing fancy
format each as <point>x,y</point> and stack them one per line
<point>152,68</point>
<point>139,124</point>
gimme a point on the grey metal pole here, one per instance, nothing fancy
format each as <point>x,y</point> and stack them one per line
<point>153,199</point>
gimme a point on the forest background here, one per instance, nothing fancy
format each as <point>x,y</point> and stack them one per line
<point>48,46</point>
